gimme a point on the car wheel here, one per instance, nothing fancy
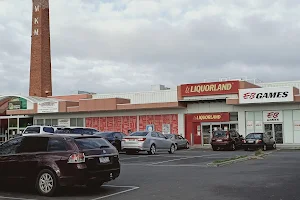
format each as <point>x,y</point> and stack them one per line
<point>265,147</point>
<point>152,150</point>
<point>214,148</point>
<point>232,147</point>
<point>46,183</point>
<point>187,146</point>
<point>246,149</point>
<point>274,145</point>
<point>172,149</point>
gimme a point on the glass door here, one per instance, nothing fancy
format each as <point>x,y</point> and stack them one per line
<point>215,127</point>
<point>225,127</point>
<point>269,129</point>
<point>278,133</point>
<point>206,130</point>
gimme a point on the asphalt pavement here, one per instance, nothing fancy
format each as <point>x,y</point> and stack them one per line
<point>186,176</point>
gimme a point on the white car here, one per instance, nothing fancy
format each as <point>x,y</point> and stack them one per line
<point>37,129</point>
<point>147,141</point>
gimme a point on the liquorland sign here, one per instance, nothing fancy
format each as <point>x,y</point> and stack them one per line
<point>213,88</point>
<point>266,95</point>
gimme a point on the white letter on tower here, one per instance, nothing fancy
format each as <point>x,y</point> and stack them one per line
<point>36,32</point>
<point>37,8</point>
<point>36,20</point>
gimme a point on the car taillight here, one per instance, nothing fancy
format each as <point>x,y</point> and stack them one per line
<point>77,158</point>
<point>244,141</point>
<point>141,139</point>
<point>258,141</point>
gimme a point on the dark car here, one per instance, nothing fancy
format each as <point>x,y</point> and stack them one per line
<point>76,130</point>
<point>115,138</point>
<point>52,161</point>
<point>226,140</point>
<point>259,141</point>
<point>180,142</point>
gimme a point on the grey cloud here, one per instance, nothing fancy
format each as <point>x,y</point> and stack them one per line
<point>161,50</point>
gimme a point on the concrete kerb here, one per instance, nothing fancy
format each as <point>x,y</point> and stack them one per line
<point>250,157</point>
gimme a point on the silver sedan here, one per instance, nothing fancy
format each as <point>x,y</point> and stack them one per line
<point>179,141</point>
<point>147,141</point>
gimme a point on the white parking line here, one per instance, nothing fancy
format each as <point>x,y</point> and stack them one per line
<point>183,158</point>
<point>15,198</point>
<point>143,156</point>
<point>121,192</point>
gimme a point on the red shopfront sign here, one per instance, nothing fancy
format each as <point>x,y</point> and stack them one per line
<point>213,88</point>
<point>209,117</point>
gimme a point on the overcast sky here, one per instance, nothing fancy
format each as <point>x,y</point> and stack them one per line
<point>109,46</point>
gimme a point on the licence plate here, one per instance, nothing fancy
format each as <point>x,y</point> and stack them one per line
<point>104,159</point>
<point>250,141</point>
<point>219,140</point>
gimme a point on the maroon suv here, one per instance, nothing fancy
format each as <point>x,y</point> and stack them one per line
<point>226,140</point>
<point>51,161</point>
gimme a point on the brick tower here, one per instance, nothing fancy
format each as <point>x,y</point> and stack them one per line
<point>40,61</point>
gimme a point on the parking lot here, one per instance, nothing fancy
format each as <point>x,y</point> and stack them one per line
<point>185,175</point>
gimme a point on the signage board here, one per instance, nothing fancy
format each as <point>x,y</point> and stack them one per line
<point>209,117</point>
<point>207,89</point>
<point>266,95</point>
<point>17,103</point>
<point>272,116</point>
<point>150,127</point>
<point>64,122</point>
<point>47,107</point>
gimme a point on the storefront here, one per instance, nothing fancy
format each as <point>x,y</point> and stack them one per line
<point>201,125</point>
<point>200,109</point>
<point>274,111</point>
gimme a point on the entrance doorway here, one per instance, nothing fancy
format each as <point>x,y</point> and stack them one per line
<point>275,131</point>
<point>208,128</point>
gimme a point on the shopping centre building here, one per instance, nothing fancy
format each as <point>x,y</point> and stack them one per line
<point>192,110</point>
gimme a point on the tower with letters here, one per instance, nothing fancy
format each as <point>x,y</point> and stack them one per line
<point>40,61</point>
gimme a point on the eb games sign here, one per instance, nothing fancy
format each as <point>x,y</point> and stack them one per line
<point>272,116</point>
<point>266,95</point>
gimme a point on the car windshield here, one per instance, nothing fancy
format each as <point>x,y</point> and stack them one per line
<point>139,134</point>
<point>104,134</point>
<point>254,136</point>
<point>32,130</point>
<point>220,133</point>
<point>91,143</point>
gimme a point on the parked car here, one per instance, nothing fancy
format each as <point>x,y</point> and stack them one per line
<point>259,140</point>
<point>226,140</point>
<point>147,141</point>
<point>115,138</point>
<point>37,129</point>
<point>180,142</point>
<point>77,130</point>
<point>51,161</point>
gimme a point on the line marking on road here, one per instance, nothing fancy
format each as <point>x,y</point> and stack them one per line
<point>121,192</point>
<point>16,198</point>
<point>144,156</point>
<point>183,158</point>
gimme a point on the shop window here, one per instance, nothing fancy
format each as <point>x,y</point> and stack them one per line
<point>233,116</point>
<point>24,122</point>
<point>13,123</point>
<point>80,122</point>
<point>48,122</point>
<point>73,122</point>
<point>54,122</point>
<point>40,122</point>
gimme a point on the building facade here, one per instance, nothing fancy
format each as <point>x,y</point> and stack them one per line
<point>192,110</point>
